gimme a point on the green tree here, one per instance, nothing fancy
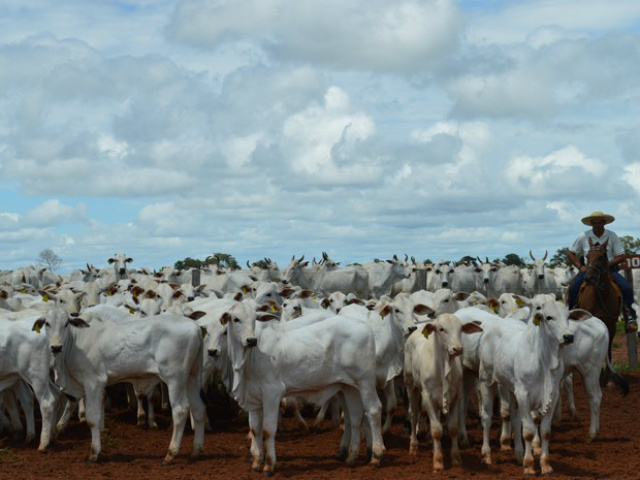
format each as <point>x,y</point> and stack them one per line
<point>631,245</point>
<point>49,259</point>
<point>223,260</point>
<point>560,257</point>
<point>188,263</point>
<point>466,259</point>
<point>513,259</point>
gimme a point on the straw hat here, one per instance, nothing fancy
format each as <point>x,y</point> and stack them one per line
<point>597,216</point>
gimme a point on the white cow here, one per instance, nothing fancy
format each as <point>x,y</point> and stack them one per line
<point>383,275</point>
<point>119,262</point>
<point>25,356</point>
<point>88,357</point>
<point>532,380</point>
<point>314,362</point>
<point>439,276</point>
<point>465,278</point>
<point>540,278</point>
<point>391,326</point>
<point>433,377</point>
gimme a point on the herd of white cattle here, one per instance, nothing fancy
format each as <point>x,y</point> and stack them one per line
<point>346,338</point>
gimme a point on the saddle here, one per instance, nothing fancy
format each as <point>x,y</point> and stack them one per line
<point>616,288</point>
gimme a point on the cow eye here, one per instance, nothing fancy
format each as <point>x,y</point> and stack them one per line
<point>46,324</point>
<point>549,317</point>
<point>441,329</point>
<point>538,308</point>
<point>236,320</point>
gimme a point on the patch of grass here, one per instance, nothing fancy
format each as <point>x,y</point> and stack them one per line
<point>5,454</point>
<point>109,441</point>
<point>623,367</point>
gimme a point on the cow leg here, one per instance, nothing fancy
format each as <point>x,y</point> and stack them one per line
<point>82,410</point>
<point>25,399</point>
<point>545,434</point>
<point>198,414</point>
<point>9,398</point>
<point>373,411</point>
<point>69,409</point>
<point>468,384</point>
<point>594,396</point>
<point>179,414</point>
<point>487,393</point>
<point>257,447</point>
<point>47,401</point>
<point>452,426</point>
<point>506,415</point>
<point>414,412</point>
<point>352,424</point>
<point>271,408</point>
<point>436,432</point>
<point>518,447</point>
<point>141,415</point>
<point>529,430</point>
<point>94,397</point>
<point>391,404</point>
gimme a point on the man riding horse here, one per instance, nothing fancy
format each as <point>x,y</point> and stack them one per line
<point>615,254</point>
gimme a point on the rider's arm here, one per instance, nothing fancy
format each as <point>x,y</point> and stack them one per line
<point>573,258</point>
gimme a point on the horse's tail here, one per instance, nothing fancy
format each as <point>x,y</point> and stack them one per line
<point>618,379</point>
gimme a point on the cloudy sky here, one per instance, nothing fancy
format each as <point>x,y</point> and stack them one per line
<point>167,129</point>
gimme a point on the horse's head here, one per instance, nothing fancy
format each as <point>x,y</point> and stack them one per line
<point>597,262</point>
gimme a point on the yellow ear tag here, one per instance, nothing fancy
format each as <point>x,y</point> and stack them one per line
<point>425,333</point>
<point>110,293</point>
<point>273,308</point>
<point>536,321</point>
<point>45,298</point>
<point>492,307</point>
<point>244,290</point>
<point>519,302</point>
<point>131,311</point>
<point>37,329</point>
<point>315,298</point>
<point>382,315</point>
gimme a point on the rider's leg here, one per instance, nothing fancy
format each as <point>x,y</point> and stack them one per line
<point>574,288</point>
<point>627,298</point>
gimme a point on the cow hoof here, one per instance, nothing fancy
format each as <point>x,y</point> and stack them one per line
<point>342,454</point>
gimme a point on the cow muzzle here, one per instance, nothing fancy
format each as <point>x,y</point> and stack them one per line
<point>213,352</point>
<point>252,342</point>
<point>56,349</point>
<point>567,339</point>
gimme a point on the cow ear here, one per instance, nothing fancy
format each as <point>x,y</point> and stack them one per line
<point>111,260</point>
<point>472,327</point>
<point>238,296</point>
<point>129,260</point>
<point>428,329</point>
<point>38,324</point>
<point>325,303</point>
<point>266,317</point>
<point>421,309</point>
<point>78,322</point>
<point>225,318</point>
<point>386,311</point>
<point>579,314</point>
<point>198,314</point>
<point>203,331</point>
<point>461,296</point>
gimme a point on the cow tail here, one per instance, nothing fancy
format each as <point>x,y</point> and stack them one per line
<point>618,379</point>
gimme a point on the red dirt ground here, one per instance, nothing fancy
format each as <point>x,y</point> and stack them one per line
<point>131,453</point>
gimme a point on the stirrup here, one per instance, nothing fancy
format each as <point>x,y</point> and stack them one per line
<point>632,325</point>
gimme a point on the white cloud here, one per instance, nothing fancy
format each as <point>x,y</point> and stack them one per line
<point>567,171</point>
<point>632,176</point>
<point>52,213</point>
<point>359,34</point>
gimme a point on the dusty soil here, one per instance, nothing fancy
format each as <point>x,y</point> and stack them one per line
<point>134,453</point>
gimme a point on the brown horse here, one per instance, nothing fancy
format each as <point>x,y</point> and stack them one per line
<point>599,295</point>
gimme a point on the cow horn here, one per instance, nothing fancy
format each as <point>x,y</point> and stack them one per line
<point>531,255</point>
<point>545,255</point>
